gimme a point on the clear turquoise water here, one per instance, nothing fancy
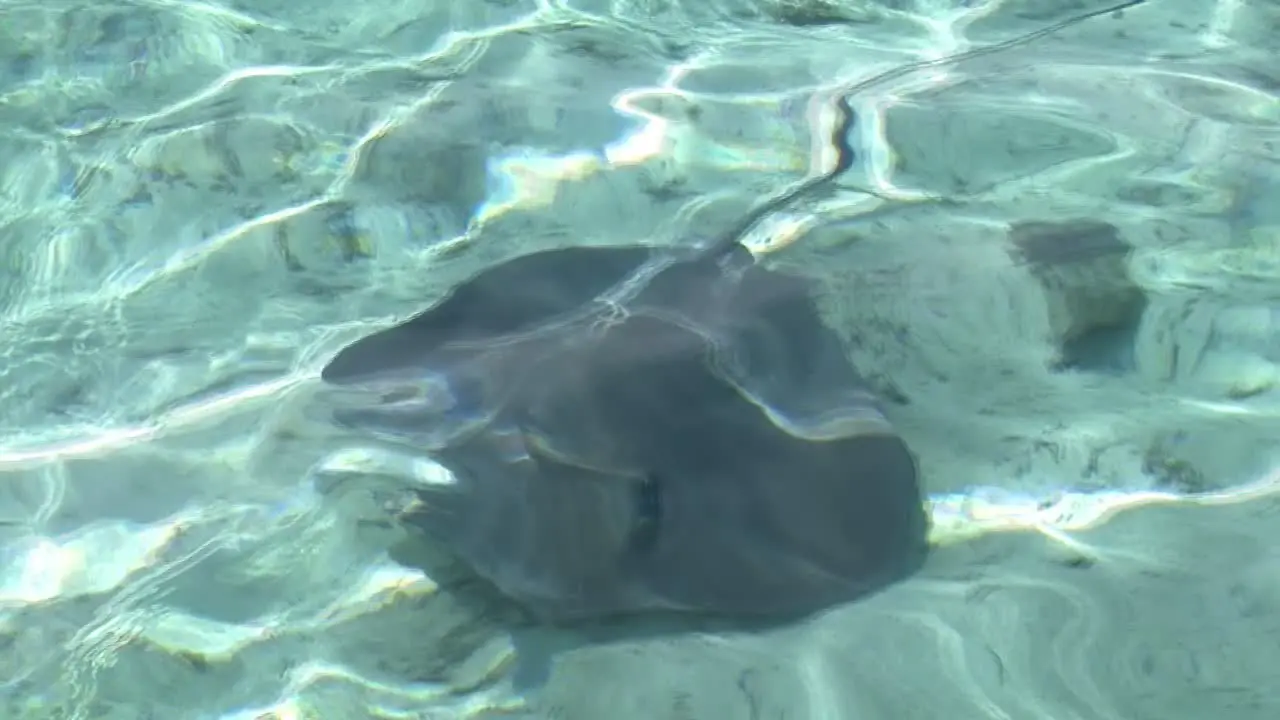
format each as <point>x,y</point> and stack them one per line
<point>200,202</point>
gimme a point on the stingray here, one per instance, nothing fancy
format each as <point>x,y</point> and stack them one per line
<point>632,429</point>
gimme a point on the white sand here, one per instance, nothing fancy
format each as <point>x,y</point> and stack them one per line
<point>176,278</point>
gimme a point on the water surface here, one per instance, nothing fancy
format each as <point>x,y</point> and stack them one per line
<point>1061,263</point>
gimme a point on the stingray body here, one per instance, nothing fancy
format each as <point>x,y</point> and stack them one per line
<point>633,429</point>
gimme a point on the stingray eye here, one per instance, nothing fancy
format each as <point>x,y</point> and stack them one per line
<point>648,513</point>
<point>403,394</point>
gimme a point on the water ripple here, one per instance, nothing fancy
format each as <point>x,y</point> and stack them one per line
<point>202,200</point>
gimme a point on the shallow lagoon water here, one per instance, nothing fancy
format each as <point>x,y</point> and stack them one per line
<point>1065,278</point>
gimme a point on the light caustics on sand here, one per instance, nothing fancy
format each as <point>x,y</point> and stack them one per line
<point>107,559</point>
<point>104,558</point>
<point>38,568</point>
<point>978,511</point>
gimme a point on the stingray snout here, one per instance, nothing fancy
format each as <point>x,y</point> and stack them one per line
<point>421,408</point>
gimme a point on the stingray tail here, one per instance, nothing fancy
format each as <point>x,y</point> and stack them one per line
<point>845,119</point>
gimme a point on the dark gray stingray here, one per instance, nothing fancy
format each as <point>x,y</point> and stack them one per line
<point>632,430</point>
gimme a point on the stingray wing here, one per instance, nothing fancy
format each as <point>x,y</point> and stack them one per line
<point>449,369</point>
<point>512,297</point>
<point>767,480</point>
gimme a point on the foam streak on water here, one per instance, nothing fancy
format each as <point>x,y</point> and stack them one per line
<point>201,201</point>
